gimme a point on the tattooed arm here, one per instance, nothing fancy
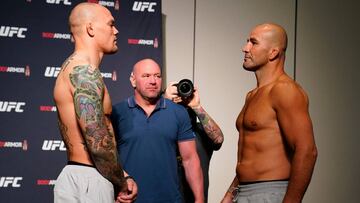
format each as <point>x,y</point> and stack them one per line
<point>211,128</point>
<point>97,130</point>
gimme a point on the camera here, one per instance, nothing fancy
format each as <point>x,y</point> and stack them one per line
<point>185,88</point>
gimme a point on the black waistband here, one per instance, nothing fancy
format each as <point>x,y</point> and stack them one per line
<point>261,181</point>
<point>79,164</point>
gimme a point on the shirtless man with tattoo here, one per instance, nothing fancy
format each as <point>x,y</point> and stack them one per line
<point>276,147</point>
<point>93,173</point>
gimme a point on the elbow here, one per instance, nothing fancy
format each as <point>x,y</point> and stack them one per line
<point>219,139</point>
<point>99,156</point>
<point>311,154</point>
<point>314,153</point>
<point>218,143</point>
<point>308,153</point>
<point>191,161</point>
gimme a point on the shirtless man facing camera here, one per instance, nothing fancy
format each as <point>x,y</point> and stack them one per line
<point>276,147</point>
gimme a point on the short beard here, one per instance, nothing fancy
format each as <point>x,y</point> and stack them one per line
<point>251,69</point>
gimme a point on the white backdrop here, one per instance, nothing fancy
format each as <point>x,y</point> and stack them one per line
<point>221,28</point>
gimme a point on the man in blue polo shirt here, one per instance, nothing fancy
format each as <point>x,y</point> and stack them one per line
<point>149,130</point>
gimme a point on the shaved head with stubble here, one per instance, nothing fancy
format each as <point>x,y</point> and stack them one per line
<point>146,80</point>
<point>84,107</point>
<point>81,14</point>
<point>265,46</point>
<point>276,148</point>
<point>92,26</point>
<point>275,35</point>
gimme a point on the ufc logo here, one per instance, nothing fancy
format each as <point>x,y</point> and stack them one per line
<point>7,31</point>
<point>9,106</point>
<point>66,2</point>
<point>142,6</point>
<point>10,181</point>
<point>51,145</point>
<point>52,71</point>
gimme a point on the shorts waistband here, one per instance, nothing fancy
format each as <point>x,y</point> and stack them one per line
<point>262,187</point>
<point>261,181</point>
<point>79,164</point>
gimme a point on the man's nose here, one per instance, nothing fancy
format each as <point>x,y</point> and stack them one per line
<point>245,48</point>
<point>116,31</point>
<point>152,79</point>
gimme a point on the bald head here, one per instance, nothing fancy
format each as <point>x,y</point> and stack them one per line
<point>146,80</point>
<point>82,14</point>
<point>145,63</point>
<point>265,46</point>
<point>273,33</point>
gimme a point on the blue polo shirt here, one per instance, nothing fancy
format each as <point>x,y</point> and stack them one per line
<point>147,147</point>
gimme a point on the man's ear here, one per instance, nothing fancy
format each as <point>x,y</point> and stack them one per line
<point>132,80</point>
<point>274,53</point>
<point>90,29</point>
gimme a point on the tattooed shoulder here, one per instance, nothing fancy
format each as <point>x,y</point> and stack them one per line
<point>87,77</point>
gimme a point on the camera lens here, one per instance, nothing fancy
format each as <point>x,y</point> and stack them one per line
<point>185,88</point>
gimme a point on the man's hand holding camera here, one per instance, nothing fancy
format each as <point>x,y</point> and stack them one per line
<point>188,95</point>
<point>171,92</point>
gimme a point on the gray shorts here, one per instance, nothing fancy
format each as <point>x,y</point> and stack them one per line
<point>82,184</point>
<point>269,192</point>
